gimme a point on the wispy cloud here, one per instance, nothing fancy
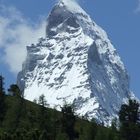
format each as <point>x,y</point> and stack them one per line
<point>16,33</point>
<point>137,10</point>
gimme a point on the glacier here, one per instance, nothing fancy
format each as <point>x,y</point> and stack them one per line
<point>75,63</point>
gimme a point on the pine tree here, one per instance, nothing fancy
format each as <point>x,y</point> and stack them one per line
<point>2,101</point>
<point>42,101</point>
<point>1,85</point>
<point>129,120</point>
<point>43,113</point>
<point>68,121</point>
<point>14,90</point>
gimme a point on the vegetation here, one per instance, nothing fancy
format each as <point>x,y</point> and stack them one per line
<point>130,121</point>
<point>2,101</point>
<point>24,120</point>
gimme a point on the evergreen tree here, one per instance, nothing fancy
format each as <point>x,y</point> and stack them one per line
<point>68,121</point>
<point>43,113</point>
<point>2,101</point>
<point>14,90</point>
<point>129,121</point>
<point>42,101</point>
<point>1,85</point>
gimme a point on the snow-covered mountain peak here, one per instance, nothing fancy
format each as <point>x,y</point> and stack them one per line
<point>70,13</point>
<point>71,5</point>
<point>76,63</point>
<point>65,14</point>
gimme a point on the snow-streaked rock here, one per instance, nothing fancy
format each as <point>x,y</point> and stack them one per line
<point>76,63</point>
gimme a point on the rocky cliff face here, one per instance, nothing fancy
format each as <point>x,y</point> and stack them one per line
<point>76,63</point>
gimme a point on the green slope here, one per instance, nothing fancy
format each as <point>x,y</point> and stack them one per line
<point>25,120</point>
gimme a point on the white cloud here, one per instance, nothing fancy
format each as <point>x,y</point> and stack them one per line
<point>137,10</point>
<point>16,33</point>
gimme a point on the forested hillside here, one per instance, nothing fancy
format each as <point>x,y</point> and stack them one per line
<point>24,120</point>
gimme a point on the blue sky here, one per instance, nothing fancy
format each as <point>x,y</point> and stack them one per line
<point>22,22</point>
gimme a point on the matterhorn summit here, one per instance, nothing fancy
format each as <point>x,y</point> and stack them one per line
<point>76,63</point>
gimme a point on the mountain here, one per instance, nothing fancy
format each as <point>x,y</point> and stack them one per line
<point>76,63</point>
